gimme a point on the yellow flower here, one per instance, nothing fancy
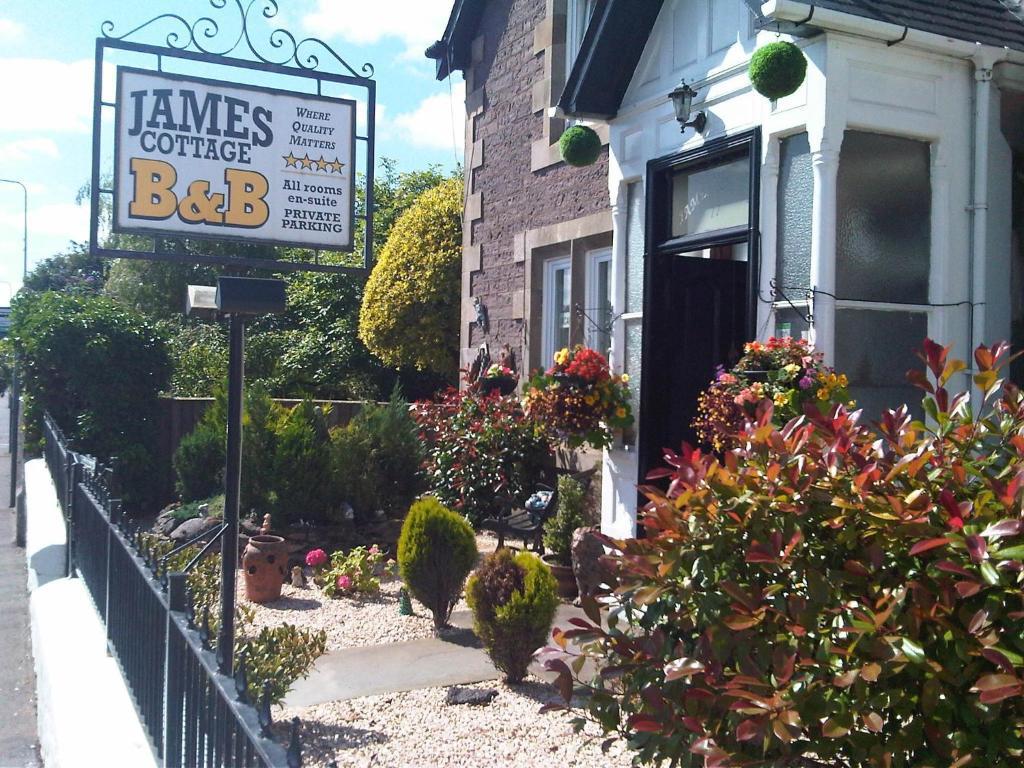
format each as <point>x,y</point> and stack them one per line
<point>823,394</point>
<point>620,412</point>
<point>843,381</point>
<point>625,378</point>
<point>561,356</point>
<point>781,398</point>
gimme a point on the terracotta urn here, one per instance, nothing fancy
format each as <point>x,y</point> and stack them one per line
<point>564,577</point>
<point>265,565</point>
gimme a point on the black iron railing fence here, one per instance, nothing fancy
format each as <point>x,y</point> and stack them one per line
<point>194,715</point>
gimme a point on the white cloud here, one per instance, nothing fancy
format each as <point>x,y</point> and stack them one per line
<point>26,149</point>
<point>46,95</point>
<point>437,122</point>
<point>10,30</point>
<point>416,23</point>
<point>64,221</point>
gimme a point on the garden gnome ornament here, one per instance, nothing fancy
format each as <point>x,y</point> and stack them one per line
<point>298,577</point>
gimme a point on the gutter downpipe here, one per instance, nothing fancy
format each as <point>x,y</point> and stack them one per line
<point>983,59</point>
<point>978,208</point>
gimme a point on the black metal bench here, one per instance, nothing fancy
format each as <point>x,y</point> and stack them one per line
<point>527,522</point>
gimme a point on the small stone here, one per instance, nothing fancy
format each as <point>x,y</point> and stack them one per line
<point>474,696</point>
<point>194,527</point>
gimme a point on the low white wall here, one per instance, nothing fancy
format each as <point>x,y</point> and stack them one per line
<point>86,716</point>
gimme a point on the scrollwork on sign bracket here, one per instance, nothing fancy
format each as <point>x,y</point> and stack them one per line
<point>204,34</point>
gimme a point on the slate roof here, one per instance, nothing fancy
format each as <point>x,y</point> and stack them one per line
<point>991,22</point>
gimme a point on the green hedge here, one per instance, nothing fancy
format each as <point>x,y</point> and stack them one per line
<point>97,367</point>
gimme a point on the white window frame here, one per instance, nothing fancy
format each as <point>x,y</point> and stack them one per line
<point>592,303</point>
<point>549,315</point>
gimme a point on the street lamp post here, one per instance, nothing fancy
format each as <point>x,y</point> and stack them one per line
<point>13,402</point>
<point>24,247</point>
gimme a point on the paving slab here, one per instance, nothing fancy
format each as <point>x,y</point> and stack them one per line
<point>454,658</point>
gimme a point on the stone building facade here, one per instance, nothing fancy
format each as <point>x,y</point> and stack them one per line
<point>525,209</point>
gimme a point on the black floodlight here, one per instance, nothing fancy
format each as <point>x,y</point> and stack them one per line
<point>250,296</point>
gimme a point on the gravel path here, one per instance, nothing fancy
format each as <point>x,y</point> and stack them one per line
<point>417,729</point>
<point>351,622</point>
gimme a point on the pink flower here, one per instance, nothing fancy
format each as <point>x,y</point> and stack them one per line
<point>344,582</point>
<point>374,549</point>
<point>315,558</point>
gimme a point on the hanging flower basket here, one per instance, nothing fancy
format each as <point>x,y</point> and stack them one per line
<point>578,400</point>
<point>498,378</point>
<point>777,69</point>
<point>503,385</point>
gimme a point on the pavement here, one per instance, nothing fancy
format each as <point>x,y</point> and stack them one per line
<point>456,658</point>
<point>18,737</point>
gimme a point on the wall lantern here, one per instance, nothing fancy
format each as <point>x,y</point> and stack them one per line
<point>682,102</point>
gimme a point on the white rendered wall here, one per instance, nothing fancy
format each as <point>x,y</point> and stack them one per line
<point>852,83</point>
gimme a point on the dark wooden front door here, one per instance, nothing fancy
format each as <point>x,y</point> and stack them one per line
<point>700,282</point>
<point>698,321</point>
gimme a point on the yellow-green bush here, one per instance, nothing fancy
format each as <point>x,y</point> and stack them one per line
<point>410,311</point>
<point>436,549</point>
<point>514,602</point>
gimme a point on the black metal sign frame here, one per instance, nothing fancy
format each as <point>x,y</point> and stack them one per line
<point>194,42</point>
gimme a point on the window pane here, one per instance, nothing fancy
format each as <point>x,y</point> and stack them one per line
<point>796,199</point>
<point>634,339</point>
<point>711,198</point>
<point>634,247</point>
<point>602,309</point>
<point>875,350</point>
<point>884,219</point>
<point>790,323</point>
<point>563,288</point>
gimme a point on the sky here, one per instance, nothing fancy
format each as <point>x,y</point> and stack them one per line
<point>46,93</point>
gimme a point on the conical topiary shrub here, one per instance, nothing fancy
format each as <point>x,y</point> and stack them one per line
<point>436,550</point>
<point>580,146</point>
<point>777,69</point>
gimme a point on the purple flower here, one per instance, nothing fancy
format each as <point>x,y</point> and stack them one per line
<point>806,382</point>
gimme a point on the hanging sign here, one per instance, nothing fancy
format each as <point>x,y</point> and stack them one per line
<point>207,159</point>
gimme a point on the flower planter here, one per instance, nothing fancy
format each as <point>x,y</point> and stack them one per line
<point>569,380</point>
<point>567,589</point>
<point>752,376</point>
<point>264,564</point>
<point>505,385</point>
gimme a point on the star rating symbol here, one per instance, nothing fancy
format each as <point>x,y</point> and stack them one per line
<point>290,161</point>
<point>307,162</point>
<point>336,166</point>
<point>321,164</point>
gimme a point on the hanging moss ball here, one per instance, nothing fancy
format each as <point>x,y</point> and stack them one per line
<point>777,69</point>
<point>579,146</point>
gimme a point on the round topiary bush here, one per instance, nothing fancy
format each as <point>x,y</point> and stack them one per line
<point>513,601</point>
<point>777,69</point>
<point>436,549</point>
<point>579,146</point>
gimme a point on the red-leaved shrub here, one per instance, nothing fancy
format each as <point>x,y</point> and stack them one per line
<point>828,593</point>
